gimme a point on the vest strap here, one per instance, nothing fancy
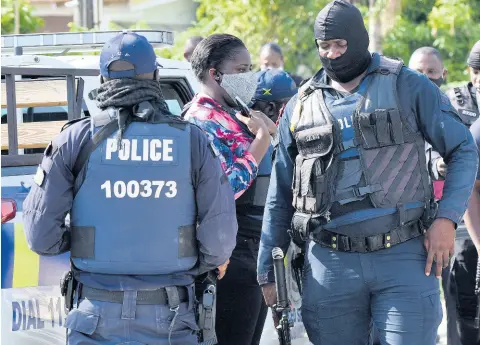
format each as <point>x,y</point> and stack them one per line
<point>345,145</point>
<point>353,193</point>
<point>82,242</point>
<point>396,126</point>
<point>104,133</point>
<point>368,244</point>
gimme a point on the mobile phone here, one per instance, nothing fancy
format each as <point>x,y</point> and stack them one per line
<point>243,107</point>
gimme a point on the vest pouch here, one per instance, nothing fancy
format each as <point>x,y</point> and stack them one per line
<point>314,162</point>
<point>315,141</point>
<point>314,184</point>
<point>380,128</point>
<point>303,224</point>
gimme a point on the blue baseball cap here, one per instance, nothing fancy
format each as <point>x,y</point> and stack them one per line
<point>130,47</point>
<point>274,85</point>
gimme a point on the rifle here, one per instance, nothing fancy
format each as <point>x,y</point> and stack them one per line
<point>282,307</point>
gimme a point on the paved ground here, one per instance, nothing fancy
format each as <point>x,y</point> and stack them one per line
<point>269,336</point>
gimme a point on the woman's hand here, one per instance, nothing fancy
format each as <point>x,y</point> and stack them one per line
<point>255,124</point>
<point>272,128</point>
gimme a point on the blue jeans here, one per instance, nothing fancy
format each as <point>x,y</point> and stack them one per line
<point>345,292</point>
<point>104,323</point>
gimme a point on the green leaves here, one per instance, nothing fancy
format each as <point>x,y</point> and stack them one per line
<point>286,22</point>
<point>28,22</point>
<point>451,26</point>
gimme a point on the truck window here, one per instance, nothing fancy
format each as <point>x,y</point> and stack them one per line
<point>175,90</point>
<point>176,94</point>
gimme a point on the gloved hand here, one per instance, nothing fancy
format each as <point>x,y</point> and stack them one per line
<point>441,167</point>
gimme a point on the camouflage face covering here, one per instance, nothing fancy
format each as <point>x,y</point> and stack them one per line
<point>129,92</point>
<point>126,93</point>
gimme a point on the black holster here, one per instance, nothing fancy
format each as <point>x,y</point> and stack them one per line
<point>68,285</point>
<point>429,214</point>
<point>297,267</point>
<point>206,301</point>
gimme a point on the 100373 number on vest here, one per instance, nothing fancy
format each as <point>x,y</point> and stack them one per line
<point>135,189</point>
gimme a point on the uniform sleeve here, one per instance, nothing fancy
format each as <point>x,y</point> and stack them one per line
<point>278,208</point>
<point>475,130</point>
<point>217,220</point>
<point>238,163</point>
<point>51,195</point>
<point>442,128</point>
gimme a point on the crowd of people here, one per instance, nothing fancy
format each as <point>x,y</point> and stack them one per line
<point>367,167</point>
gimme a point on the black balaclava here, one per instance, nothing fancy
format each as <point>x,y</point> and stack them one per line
<point>342,20</point>
<point>439,81</point>
<point>474,57</point>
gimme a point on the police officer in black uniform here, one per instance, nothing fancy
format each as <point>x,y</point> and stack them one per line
<point>465,98</point>
<point>459,284</point>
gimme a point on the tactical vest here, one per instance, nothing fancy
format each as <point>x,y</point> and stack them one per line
<point>135,211</point>
<point>256,194</point>
<point>390,168</point>
<point>462,100</point>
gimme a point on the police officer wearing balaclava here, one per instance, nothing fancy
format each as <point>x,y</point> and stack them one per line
<point>350,184</point>
<point>150,209</point>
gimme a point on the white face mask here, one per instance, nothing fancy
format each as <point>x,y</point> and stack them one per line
<point>242,85</point>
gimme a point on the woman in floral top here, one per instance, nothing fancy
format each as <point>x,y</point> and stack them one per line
<point>222,64</point>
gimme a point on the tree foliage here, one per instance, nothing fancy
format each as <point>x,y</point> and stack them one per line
<point>28,22</point>
<point>452,26</point>
<point>286,22</point>
<point>73,27</point>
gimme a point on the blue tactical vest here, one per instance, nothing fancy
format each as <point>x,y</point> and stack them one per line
<point>388,164</point>
<point>135,211</point>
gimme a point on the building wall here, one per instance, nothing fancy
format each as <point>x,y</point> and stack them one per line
<point>173,15</point>
<point>56,23</point>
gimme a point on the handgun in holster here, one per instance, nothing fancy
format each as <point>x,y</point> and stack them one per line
<point>429,214</point>
<point>297,263</point>
<point>206,293</point>
<point>68,284</point>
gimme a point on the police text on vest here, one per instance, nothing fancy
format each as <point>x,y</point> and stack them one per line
<point>154,150</point>
<point>144,189</point>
